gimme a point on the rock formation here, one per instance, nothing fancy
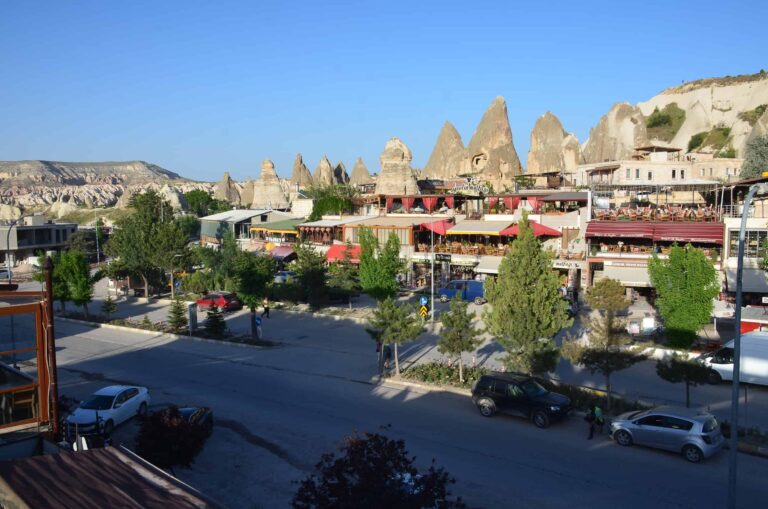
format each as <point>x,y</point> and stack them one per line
<point>491,151</point>
<point>267,191</point>
<point>449,157</point>
<point>360,174</point>
<point>56,173</point>
<point>396,176</point>
<point>300,175</point>
<point>552,149</point>
<point>226,190</point>
<point>246,195</point>
<point>760,128</point>
<point>323,173</point>
<point>616,135</point>
<point>714,102</point>
<point>8,212</point>
<point>340,175</point>
<point>173,196</point>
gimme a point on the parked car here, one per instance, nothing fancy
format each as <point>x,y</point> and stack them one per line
<point>754,360</point>
<point>5,274</point>
<point>519,395</point>
<point>224,301</point>
<point>469,289</point>
<point>694,434</point>
<point>284,276</point>
<point>107,408</point>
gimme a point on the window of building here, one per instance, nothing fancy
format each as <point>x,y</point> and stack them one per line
<point>674,174</point>
<point>650,175</point>
<point>754,243</point>
<point>629,173</point>
<point>701,172</point>
<point>710,172</point>
<point>637,173</point>
<point>682,174</point>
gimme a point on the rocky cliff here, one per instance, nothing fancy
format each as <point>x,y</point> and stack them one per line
<point>552,149</point>
<point>396,176</point>
<point>491,150</point>
<point>616,134</point>
<point>268,192</point>
<point>300,176</point>
<point>360,173</point>
<point>28,174</point>
<point>227,190</point>
<point>323,175</point>
<point>449,157</point>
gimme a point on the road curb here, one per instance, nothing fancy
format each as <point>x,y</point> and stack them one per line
<point>170,335</point>
<point>424,387</point>
<point>362,321</point>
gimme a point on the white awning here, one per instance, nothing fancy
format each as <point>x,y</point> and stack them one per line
<point>629,276</point>
<point>489,264</point>
<point>753,280</point>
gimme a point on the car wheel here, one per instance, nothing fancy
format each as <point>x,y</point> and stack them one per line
<point>142,409</point>
<point>540,419</point>
<point>623,438</point>
<point>478,301</point>
<point>714,377</point>
<point>109,427</point>
<point>486,407</point>
<point>443,299</point>
<point>692,453</point>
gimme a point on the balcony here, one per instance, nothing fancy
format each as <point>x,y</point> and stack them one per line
<point>659,214</point>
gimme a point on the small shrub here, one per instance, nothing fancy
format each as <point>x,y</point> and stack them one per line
<point>167,439</point>
<point>752,116</point>
<point>440,373</point>
<point>696,141</point>
<point>664,124</point>
<point>215,325</point>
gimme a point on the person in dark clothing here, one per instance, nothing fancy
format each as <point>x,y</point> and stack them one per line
<point>595,420</point>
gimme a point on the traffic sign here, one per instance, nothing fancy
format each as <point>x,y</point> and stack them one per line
<point>424,300</point>
<point>423,311</point>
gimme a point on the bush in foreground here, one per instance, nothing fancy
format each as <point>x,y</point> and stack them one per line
<point>167,439</point>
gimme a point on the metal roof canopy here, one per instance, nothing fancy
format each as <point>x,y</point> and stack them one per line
<point>237,215</point>
<point>478,227</point>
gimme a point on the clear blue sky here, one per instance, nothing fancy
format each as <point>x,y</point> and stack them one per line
<point>200,87</point>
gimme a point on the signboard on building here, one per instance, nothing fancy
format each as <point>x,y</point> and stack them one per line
<point>442,257</point>
<point>614,263</point>
<point>568,264</point>
<point>473,185</point>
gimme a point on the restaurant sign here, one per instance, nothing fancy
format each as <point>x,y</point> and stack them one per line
<point>472,185</point>
<point>568,264</point>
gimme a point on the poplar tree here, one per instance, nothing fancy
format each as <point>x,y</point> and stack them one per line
<point>458,334</point>
<point>686,284</point>
<point>526,309</point>
<point>177,316</point>
<point>608,348</point>
<point>677,368</point>
<point>379,267</point>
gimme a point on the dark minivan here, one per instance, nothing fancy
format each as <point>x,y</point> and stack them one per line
<point>519,395</point>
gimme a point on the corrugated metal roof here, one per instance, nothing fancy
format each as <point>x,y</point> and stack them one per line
<point>398,222</point>
<point>234,216</point>
<point>478,227</point>
<point>328,223</point>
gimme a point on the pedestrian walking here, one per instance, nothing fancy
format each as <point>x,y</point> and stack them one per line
<point>265,303</point>
<point>595,420</point>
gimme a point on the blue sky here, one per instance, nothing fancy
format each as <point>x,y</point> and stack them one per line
<point>201,87</point>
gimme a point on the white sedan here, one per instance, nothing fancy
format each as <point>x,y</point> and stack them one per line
<point>107,408</point>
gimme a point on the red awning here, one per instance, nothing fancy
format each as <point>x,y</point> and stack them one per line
<point>626,229</point>
<point>439,227</point>
<point>336,253</point>
<point>711,233</point>
<point>539,230</point>
<point>281,252</point>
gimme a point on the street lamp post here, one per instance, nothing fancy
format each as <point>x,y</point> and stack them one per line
<point>733,451</point>
<point>432,278</point>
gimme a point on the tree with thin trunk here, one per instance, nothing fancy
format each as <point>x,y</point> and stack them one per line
<point>379,266</point>
<point>458,333</point>
<point>170,251</point>
<point>254,275</point>
<point>61,290</point>
<point>75,270</point>
<point>526,308</point>
<point>108,307</point>
<point>343,274</point>
<point>395,324</point>
<point>311,273</point>
<point>686,284</point>
<point>755,158</point>
<point>678,368</point>
<point>608,348</point>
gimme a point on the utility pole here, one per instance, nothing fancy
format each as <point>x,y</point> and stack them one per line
<point>50,342</point>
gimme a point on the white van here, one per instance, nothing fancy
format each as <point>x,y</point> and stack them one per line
<point>754,360</point>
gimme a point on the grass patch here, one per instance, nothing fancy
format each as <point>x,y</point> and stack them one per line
<point>442,373</point>
<point>717,139</point>
<point>664,124</point>
<point>751,117</point>
<point>696,140</point>
<point>89,216</point>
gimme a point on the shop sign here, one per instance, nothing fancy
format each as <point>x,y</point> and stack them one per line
<point>464,263</point>
<point>567,264</point>
<point>442,257</point>
<point>472,185</point>
<point>613,263</point>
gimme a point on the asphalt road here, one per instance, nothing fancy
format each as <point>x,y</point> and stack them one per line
<point>278,409</point>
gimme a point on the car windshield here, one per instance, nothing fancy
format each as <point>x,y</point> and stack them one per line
<point>533,389</point>
<point>98,403</point>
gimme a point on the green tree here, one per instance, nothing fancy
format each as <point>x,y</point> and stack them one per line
<point>198,202</point>
<point>61,289</point>
<point>133,238</point>
<point>608,348</point>
<point>311,274</point>
<point>379,267</point>
<point>170,252</point>
<point>375,472</point>
<point>254,274</point>
<point>190,225</point>
<point>458,334</point>
<point>177,316</point>
<point>343,274</point>
<point>678,368</point>
<point>394,324</point>
<point>108,307</point>
<point>686,284</point>
<point>82,240</point>
<point>75,272</point>
<point>215,325</point>
<point>99,237</point>
<point>755,158</point>
<point>334,199</point>
<point>526,309</point>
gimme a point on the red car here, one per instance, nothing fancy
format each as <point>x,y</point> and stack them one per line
<point>225,301</point>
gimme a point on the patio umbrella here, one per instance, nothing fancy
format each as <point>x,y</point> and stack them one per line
<point>539,230</point>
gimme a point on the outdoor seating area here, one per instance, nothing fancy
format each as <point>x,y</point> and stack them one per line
<point>465,248</point>
<point>661,213</point>
<point>619,248</point>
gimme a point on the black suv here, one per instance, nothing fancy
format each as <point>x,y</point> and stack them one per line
<point>519,395</point>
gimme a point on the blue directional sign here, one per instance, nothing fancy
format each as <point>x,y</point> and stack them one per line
<point>424,300</point>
